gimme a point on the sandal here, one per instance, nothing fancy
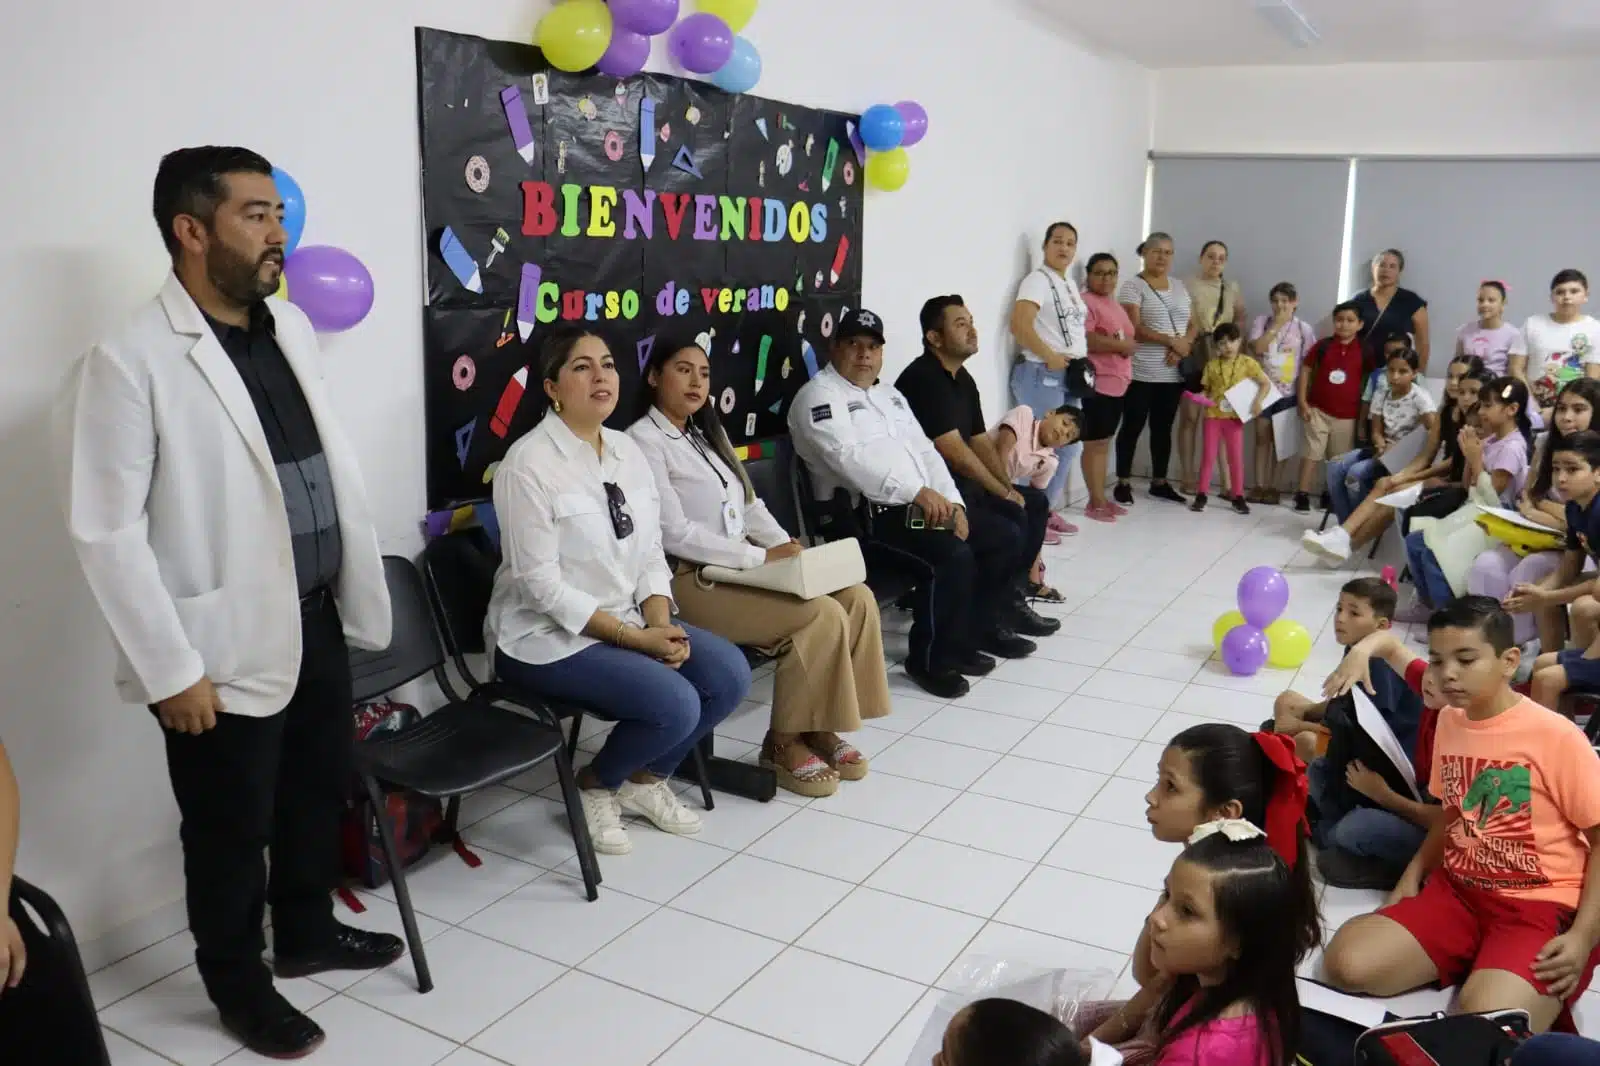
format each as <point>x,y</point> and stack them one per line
<point>813,777</point>
<point>1038,590</point>
<point>844,757</point>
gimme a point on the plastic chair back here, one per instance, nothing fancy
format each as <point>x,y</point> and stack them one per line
<point>414,648</point>
<point>48,1020</point>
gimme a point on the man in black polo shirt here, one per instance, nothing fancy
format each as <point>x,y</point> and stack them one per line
<point>945,400</point>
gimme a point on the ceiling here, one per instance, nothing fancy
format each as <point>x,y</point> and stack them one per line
<point>1197,33</point>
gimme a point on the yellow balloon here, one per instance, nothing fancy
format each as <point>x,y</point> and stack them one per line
<point>1288,644</point>
<point>1220,627</point>
<point>574,35</point>
<point>734,12</point>
<point>283,287</point>
<point>888,170</point>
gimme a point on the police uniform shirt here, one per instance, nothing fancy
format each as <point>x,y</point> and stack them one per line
<point>866,440</point>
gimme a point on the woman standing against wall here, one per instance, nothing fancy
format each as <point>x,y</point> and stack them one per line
<point>1215,300</point>
<point>1386,308</point>
<point>1159,308</point>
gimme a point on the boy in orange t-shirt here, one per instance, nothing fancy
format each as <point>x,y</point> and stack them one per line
<point>1504,894</point>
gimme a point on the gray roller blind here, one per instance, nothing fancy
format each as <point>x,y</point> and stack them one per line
<point>1282,220</point>
<point>1462,221</point>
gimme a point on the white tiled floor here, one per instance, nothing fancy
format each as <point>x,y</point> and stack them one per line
<point>804,933</point>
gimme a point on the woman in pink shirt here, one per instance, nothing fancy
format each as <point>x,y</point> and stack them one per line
<point>1110,335</point>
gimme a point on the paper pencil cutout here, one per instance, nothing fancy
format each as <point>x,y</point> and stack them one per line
<point>684,161</point>
<point>856,143</point>
<point>761,124</point>
<point>828,162</point>
<point>506,409</point>
<point>838,260</point>
<point>761,362</point>
<point>809,354</point>
<point>460,261</point>
<point>528,300</point>
<point>517,119</point>
<point>647,132</point>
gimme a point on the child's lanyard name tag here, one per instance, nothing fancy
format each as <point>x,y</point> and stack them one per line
<point>733,519</point>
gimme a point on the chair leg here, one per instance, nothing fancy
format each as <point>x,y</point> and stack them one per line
<point>705,778</point>
<point>397,877</point>
<point>572,739</point>
<point>580,825</point>
<point>1376,543</point>
<point>1324,524</point>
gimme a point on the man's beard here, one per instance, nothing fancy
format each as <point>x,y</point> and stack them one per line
<point>239,278</point>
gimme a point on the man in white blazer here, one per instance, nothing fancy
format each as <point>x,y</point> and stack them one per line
<point>221,522</point>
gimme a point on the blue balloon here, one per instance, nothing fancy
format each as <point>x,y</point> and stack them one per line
<point>294,207</point>
<point>742,70</point>
<point>882,128</point>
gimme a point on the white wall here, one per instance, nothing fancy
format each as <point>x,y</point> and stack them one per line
<point>1509,108</point>
<point>99,91</point>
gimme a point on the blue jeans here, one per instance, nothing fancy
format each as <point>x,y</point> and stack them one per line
<point>1350,479</point>
<point>1040,389</point>
<point>661,713</point>
<point>1364,831</point>
<point>1557,1049</point>
<point>1432,586</point>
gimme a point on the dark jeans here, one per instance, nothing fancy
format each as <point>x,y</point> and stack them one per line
<point>276,784</point>
<point>661,713</point>
<point>1359,830</point>
<point>1433,588</point>
<point>1157,403</point>
<point>1557,1049</point>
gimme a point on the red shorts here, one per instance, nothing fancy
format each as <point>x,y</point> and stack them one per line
<point>1465,929</point>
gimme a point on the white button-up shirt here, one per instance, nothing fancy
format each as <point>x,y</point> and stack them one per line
<point>866,440</point>
<point>695,485</point>
<point>561,560</point>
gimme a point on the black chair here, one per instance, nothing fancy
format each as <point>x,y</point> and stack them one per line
<point>890,576</point>
<point>463,747</point>
<point>459,569</point>
<point>773,479</point>
<point>49,1019</point>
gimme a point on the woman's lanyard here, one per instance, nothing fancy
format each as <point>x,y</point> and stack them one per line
<point>1061,312</point>
<point>732,512</point>
<point>693,437</point>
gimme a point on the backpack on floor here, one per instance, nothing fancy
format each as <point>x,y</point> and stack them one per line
<point>416,821</point>
<point>1445,1040</point>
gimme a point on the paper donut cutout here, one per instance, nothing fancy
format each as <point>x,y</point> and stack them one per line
<point>613,145</point>
<point>464,373</point>
<point>727,400</point>
<point>477,173</point>
<point>665,132</point>
<point>849,172</point>
<point>827,325</point>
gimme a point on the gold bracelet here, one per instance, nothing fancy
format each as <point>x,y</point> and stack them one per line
<point>622,627</point>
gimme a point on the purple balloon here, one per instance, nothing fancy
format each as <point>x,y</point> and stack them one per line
<point>1244,649</point>
<point>701,43</point>
<point>1263,593</point>
<point>330,285</point>
<point>646,17</point>
<point>626,54</point>
<point>916,120</point>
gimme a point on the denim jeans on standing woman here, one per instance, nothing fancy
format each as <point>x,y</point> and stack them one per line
<point>1041,389</point>
<point>661,713</point>
<point>1350,480</point>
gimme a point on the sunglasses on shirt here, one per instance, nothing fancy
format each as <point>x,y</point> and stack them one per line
<point>621,521</point>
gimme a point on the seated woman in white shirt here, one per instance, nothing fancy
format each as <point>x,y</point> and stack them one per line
<point>582,603</point>
<point>831,672</point>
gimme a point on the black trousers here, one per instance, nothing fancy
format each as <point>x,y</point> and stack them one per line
<point>1156,402</point>
<point>277,784</point>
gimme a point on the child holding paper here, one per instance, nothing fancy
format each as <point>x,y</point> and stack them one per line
<point>1228,368</point>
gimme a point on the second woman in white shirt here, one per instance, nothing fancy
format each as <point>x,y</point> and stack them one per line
<point>831,671</point>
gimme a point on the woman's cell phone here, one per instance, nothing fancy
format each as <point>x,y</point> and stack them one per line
<point>917,518</point>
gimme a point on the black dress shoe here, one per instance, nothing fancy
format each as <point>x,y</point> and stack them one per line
<point>946,684</point>
<point>1165,491</point>
<point>274,1030</point>
<point>350,949</point>
<point>1007,645</point>
<point>1031,623</point>
<point>976,664</point>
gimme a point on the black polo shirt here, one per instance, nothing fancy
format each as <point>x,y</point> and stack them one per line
<point>942,401</point>
<point>294,442</point>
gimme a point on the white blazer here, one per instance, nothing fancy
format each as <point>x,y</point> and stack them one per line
<point>173,505</point>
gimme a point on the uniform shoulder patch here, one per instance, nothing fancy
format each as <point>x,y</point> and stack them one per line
<point>821,413</point>
<point>856,405</point>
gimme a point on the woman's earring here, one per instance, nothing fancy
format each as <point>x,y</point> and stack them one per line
<point>556,404</point>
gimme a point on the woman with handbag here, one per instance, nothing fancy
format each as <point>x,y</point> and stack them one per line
<point>831,673</point>
<point>1162,317</point>
<point>1215,300</point>
<point>582,604</point>
<point>1386,308</point>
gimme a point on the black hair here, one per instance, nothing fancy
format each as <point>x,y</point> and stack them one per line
<point>1228,764</point>
<point>1226,331</point>
<point>1158,235</point>
<point>1071,414</point>
<point>1587,389</point>
<point>704,423</point>
<point>1408,353</point>
<point>1258,907</point>
<point>1005,1032</point>
<point>1348,305</point>
<point>1101,257</point>
<point>932,317</point>
<point>1206,247</point>
<point>1400,257</point>
<point>1509,390</point>
<point>1394,337</point>
<point>557,347</point>
<point>1050,231</point>
<point>1482,613</point>
<point>1377,593</point>
<point>1284,289</point>
<point>1497,286</point>
<point>1453,419</point>
<point>1569,274</point>
<point>1585,444</point>
<point>193,181</point>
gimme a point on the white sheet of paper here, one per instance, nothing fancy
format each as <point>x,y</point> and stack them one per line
<point>1404,450</point>
<point>1370,719</point>
<point>1516,519</point>
<point>1361,1010</point>
<point>1402,499</point>
<point>1287,433</point>
<point>1243,398</point>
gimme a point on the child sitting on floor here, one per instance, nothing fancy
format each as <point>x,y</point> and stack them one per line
<point>1503,894</point>
<point>1223,425</point>
<point>1028,448</point>
<point>1004,1032</point>
<point>1228,936</point>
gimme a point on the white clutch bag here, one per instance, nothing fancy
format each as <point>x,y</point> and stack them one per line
<point>818,571</point>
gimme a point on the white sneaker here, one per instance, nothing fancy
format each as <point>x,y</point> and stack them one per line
<point>1530,652</point>
<point>660,805</point>
<point>1333,546</point>
<point>604,816</point>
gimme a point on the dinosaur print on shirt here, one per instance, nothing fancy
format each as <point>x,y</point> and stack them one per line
<point>1491,846</point>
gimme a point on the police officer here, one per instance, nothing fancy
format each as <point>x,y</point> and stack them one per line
<point>856,434</point>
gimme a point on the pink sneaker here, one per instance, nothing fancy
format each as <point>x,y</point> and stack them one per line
<point>1116,508</point>
<point>1052,537</point>
<point>1103,513</point>
<point>1057,524</point>
<point>1068,529</point>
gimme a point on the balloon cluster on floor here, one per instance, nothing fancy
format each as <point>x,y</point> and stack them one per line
<point>1255,635</point>
<point>613,36</point>
<point>330,285</point>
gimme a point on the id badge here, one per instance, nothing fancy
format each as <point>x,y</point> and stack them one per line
<point>733,519</point>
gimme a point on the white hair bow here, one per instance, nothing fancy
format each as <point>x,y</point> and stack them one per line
<point>1235,829</point>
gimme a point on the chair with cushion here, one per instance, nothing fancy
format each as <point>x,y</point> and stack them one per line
<point>49,1019</point>
<point>459,569</point>
<point>463,747</point>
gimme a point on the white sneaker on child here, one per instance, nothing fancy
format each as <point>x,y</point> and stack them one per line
<point>1530,652</point>
<point>660,805</point>
<point>604,818</point>
<point>1333,546</point>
